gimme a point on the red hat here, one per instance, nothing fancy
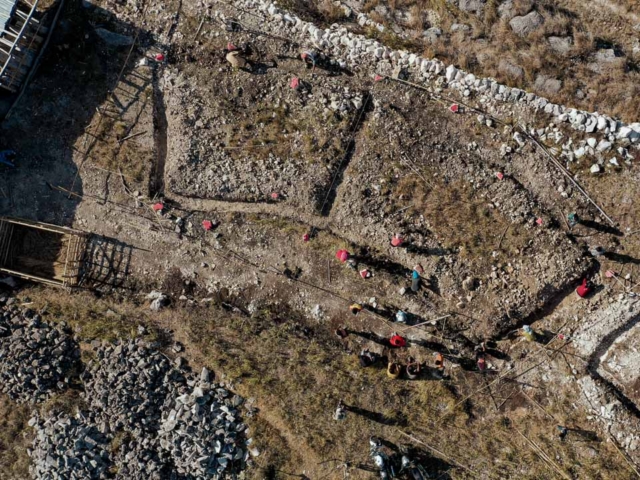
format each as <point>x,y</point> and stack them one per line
<point>396,241</point>
<point>157,207</point>
<point>295,83</point>
<point>397,341</point>
<point>454,108</point>
<point>159,57</point>
<point>207,225</point>
<point>365,273</point>
<point>342,255</point>
<point>306,237</point>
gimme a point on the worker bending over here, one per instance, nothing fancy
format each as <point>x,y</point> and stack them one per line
<point>310,57</point>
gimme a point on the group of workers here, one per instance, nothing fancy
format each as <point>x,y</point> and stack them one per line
<point>412,369</point>
<point>238,58</point>
<point>396,241</point>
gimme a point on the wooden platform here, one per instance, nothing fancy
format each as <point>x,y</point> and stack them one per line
<point>41,252</point>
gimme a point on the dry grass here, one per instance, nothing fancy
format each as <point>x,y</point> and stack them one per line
<point>15,437</point>
<point>115,155</point>
<point>463,222</point>
<point>90,317</point>
<point>566,18</point>
<point>297,372</point>
<point>264,131</point>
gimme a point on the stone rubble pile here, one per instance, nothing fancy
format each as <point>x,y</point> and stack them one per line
<point>609,411</point>
<point>68,448</point>
<point>128,386</point>
<point>202,431</point>
<point>140,458</point>
<point>157,419</point>
<point>36,359</point>
<point>353,50</point>
<point>342,101</point>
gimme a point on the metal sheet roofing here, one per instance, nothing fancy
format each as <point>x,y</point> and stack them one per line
<point>6,11</point>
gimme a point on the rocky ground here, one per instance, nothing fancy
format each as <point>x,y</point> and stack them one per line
<point>284,177</point>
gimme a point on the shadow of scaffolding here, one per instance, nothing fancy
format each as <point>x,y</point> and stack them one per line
<point>105,264</point>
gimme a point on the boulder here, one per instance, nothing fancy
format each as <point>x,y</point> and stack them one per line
<point>560,45</point>
<point>547,84</point>
<point>432,35</point>
<point>475,6</point>
<point>460,27</point>
<point>511,70</point>
<point>606,55</point>
<point>450,73</point>
<point>36,359</point>
<point>603,146</point>
<point>506,10</point>
<point>602,60</point>
<point>524,25</point>
<point>602,123</point>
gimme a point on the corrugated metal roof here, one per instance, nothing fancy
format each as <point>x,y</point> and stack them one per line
<point>6,11</point>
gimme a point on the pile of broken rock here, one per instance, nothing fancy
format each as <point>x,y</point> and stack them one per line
<point>35,358</point>
<point>145,417</point>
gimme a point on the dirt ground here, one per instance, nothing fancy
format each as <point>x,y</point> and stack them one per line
<point>259,305</point>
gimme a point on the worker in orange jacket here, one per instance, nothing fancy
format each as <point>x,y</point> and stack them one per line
<point>439,365</point>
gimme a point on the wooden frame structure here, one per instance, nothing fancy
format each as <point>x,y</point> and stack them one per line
<point>41,252</point>
<point>21,37</point>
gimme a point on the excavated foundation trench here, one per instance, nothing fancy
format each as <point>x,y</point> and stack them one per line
<point>595,359</point>
<point>322,222</point>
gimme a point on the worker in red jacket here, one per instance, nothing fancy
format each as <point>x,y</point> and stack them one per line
<point>342,255</point>
<point>584,289</point>
<point>397,341</point>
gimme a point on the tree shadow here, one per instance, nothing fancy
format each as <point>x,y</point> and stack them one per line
<point>434,346</point>
<point>381,311</point>
<point>329,195</point>
<point>79,73</point>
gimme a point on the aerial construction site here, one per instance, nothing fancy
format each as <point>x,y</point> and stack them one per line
<point>317,239</point>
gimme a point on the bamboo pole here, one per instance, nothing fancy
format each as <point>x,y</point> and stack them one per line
<point>455,462</point>
<point>558,165</point>
<point>544,456</point>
